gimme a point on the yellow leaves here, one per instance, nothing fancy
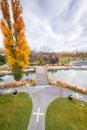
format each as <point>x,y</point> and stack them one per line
<point>8,42</point>
<point>16,8</point>
<point>21,39</point>
<point>18,51</point>
<point>11,41</point>
<point>5,11</point>
<point>4,28</point>
<point>8,37</point>
<point>11,60</point>
<point>19,25</point>
<point>8,52</point>
<point>22,42</point>
<point>16,46</point>
<point>23,49</point>
<point>22,57</point>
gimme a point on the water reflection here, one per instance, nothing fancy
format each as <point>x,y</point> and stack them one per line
<point>10,78</point>
<point>74,77</point>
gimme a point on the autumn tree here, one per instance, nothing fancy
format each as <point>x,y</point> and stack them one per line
<point>14,39</point>
<point>53,59</point>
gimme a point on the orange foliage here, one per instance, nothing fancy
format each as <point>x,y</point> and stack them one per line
<point>32,81</point>
<point>16,46</point>
<point>8,36</point>
<point>19,25</point>
<point>16,9</point>
<point>5,11</point>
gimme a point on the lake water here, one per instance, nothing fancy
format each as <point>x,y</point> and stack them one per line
<point>9,78</point>
<point>74,77</point>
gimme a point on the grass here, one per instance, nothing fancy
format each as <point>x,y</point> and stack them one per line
<point>34,63</point>
<point>65,60</point>
<point>3,68</point>
<point>63,114</point>
<point>15,111</point>
<point>68,60</point>
<point>62,61</point>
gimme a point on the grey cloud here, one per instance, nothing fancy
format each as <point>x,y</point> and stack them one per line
<point>60,24</point>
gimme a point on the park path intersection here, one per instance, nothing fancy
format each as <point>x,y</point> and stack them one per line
<point>42,95</point>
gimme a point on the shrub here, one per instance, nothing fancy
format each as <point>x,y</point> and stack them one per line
<point>67,85</point>
<point>32,81</point>
<point>17,73</point>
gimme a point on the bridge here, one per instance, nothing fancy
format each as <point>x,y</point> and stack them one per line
<point>41,77</point>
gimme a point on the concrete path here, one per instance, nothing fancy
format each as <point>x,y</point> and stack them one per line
<point>41,77</point>
<point>42,96</point>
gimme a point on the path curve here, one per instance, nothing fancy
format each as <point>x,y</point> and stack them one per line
<point>42,96</point>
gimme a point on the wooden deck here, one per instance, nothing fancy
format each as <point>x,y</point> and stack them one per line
<point>41,77</point>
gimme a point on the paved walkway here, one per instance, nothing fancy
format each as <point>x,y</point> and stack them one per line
<point>41,97</point>
<point>41,77</point>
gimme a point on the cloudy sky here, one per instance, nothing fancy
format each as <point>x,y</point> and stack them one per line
<point>57,24</point>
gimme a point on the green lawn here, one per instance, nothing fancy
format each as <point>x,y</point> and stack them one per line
<point>3,68</point>
<point>37,62</point>
<point>68,60</point>
<point>63,114</point>
<point>15,111</point>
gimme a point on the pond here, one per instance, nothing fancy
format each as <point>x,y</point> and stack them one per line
<point>10,78</point>
<point>74,77</point>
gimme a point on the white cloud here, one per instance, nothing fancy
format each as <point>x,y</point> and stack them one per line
<point>59,24</point>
